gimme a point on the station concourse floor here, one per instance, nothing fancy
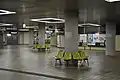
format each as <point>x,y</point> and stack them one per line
<point>14,59</point>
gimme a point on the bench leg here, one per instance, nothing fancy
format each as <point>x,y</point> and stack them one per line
<point>87,62</point>
<point>55,62</point>
<point>60,62</point>
<point>82,62</point>
<point>39,50</point>
<point>67,62</point>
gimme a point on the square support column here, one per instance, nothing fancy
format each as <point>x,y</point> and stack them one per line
<point>4,36</point>
<point>110,38</point>
<point>71,31</point>
<point>31,37</point>
<point>41,33</point>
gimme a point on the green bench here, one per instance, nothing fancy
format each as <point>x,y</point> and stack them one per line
<point>75,57</point>
<point>59,57</point>
<point>42,48</point>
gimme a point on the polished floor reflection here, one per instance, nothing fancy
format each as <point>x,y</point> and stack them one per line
<point>23,58</point>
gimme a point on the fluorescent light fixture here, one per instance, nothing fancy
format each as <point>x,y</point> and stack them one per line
<point>11,28</point>
<point>46,20</point>
<point>49,32</point>
<point>24,25</point>
<point>112,0</point>
<point>13,32</point>
<point>4,24</point>
<point>23,29</point>
<point>4,12</point>
<point>53,22</point>
<point>8,34</point>
<point>31,27</point>
<point>89,24</point>
<point>35,30</point>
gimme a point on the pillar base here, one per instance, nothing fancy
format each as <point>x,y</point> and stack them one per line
<point>110,54</point>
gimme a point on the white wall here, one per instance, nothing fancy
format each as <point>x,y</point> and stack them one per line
<point>60,40</point>
<point>53,41</point>
<point>24,38</point>
<point>21,38</point>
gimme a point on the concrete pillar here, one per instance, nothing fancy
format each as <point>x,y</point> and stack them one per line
<point>41,33</point>
<point>110,38</point>
<point>22,36</point>
<point>4,36</point>
<point>1,39</point>
<point>31,36</point>
<point>71,31</point>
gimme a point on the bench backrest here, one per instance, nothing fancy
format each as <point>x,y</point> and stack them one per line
<point>76,55</point>
<point>67,56</point>
<point>60,54</point>
<point>38,46</point>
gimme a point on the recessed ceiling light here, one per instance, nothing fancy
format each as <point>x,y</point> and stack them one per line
<point>89,24</point>
<point>47,20</point>
<point>112,0</point>
<point>4,12</point>
<point>4,24</point>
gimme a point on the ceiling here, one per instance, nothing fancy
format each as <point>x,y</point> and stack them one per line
<point>92,11</point>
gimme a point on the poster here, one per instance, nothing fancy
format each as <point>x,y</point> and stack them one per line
<point>98,38</point>
<point>90,38</point>
<point>95,37</point>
